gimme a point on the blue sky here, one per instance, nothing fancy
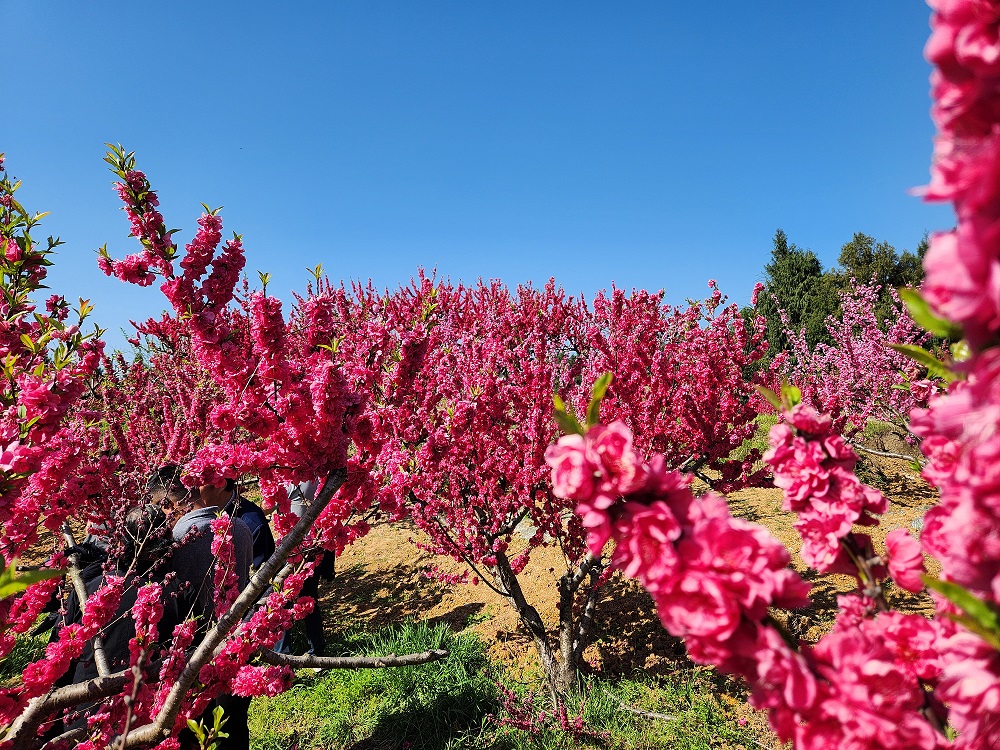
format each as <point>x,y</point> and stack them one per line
<point>653,144</point>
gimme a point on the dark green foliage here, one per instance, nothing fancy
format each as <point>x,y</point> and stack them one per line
<point>867,261</point>
<point>809,294</point>
<point>796,278</point>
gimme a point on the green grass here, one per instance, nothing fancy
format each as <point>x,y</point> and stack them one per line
<point>26,649</point>
<point>433,705</point>
<point>449,705</point>
<point>683,712</point>
<point>759,439</point>
<point>699,719</point>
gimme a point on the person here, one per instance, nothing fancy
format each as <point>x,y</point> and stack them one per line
<point>194,561</point>
<point>250,513</point>
<point>194,564</point>
<point>301,495</point>
<point>165,488</point>
<point>143,559</point>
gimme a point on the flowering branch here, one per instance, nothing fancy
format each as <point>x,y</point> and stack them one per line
<point>100,658</point>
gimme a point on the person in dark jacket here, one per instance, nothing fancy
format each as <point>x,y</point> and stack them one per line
<point>194,563</point>
<point>144,559</point>
<point>300,496</point>
<point>250,513</point>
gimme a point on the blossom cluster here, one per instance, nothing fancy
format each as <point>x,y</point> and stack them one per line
<point>715,579</point>
<point>860,375</point>
<point>814,467</point>
<point>664,360</point>
<point>959,427</point>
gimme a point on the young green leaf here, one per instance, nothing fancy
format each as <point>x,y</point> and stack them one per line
<point>13,583</point>
<point>566,420</point>
<point>924,317</point>
<point>980,617</point>
<point>771,397</point>
<point>597,395</point>
<point>921,356</point>
<point>790,395</point>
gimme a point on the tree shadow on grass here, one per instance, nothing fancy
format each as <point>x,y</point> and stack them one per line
<point>434,725</point>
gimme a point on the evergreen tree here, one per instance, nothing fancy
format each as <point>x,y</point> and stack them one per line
<point>794,280</point>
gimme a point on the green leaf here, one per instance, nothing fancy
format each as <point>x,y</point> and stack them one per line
<point>790,395</point>
<point>597,395</point>
<point>921,356</point>
<point>980,617</point>
<point>770,396</point>
<point>566,420</point>
<point>13,583</point>
<point>924,317</point>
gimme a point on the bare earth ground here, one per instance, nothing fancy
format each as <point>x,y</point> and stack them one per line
<point>381,581</point>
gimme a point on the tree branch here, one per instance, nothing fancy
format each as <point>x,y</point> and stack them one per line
<point>589,562</point>
<point>66,739</point>
<point>887,454</point>
<point>97,643</point>
<point>351,662</point>
<point>22,730</point>
<point>639,711</point>
<point>586,617</point>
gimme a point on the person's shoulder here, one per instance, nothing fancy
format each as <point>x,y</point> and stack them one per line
<point>198,518</point>
<point>244,507</point>
<point>251,506</point>
<point>240,528</point>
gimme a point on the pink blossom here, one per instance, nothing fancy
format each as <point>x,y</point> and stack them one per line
<point>906,562</point>
<point>9,456</point>
<point>697,604</point>
<point>573,474</point>
<point>12,251</point>
<point>622,469</point>
<point>251,681</point>
<point>646,551</point>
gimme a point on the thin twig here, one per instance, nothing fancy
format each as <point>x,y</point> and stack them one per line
<point>130,700</point>
<point>640,711</point>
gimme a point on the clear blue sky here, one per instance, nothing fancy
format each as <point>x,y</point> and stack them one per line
<point>653,144</point>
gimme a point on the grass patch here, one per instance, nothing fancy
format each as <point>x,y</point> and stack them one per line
<point>875,428</point>
<point>688,710</point>
<point>27,649</point>
<point>427,706</point>
<point>759,439</point>
<point>703,716</point>
<point>448,705</point>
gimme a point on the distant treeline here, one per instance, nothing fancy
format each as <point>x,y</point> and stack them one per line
<point>795,279</point>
